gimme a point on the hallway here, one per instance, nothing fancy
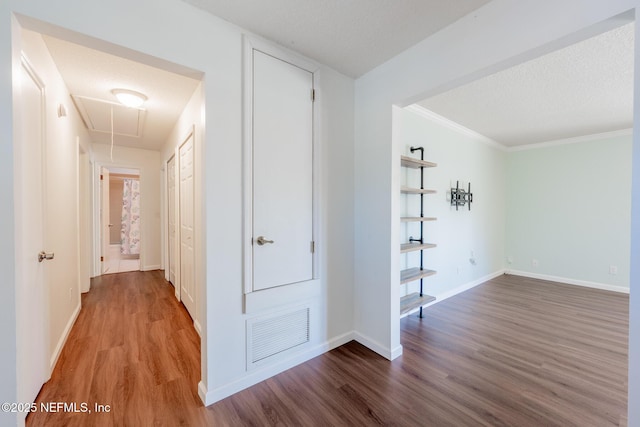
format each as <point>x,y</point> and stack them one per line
<point>133,348</point>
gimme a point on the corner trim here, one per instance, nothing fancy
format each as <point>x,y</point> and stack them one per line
<point>450,124</point>
<point>63,339</point>
<point>217,394</point>
<point>374,345</point>
<point>574,140</point>
<point>568,281</point>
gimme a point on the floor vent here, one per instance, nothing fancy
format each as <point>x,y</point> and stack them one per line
<point>274,335</point>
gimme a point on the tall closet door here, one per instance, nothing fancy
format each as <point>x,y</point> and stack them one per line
<point>282,151</point>
<point>187,244</point>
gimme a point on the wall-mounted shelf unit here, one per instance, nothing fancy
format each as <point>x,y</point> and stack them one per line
<point>416,300</point>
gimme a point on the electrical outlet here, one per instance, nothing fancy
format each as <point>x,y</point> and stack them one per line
<point>510,259</point>
<point>613,270</point>
<point>70,294</point>
<point>458,270</point>
<point>535,262</point>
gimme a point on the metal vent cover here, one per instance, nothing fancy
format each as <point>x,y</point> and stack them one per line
<point>273,335</point>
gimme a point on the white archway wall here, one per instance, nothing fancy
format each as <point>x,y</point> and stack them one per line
<point>496,36</point>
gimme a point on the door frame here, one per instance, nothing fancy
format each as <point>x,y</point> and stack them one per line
<point>249,44</point>
<point>173,204</point>
<point>96,266</point>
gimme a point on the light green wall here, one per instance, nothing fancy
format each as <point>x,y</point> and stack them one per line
<point>568,206</point>
<point>457,233</point>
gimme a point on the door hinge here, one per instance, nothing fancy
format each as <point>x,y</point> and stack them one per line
<point>101,177</point>
<point>313,94</point>
<point>101,259</point>
<point>313,247</point>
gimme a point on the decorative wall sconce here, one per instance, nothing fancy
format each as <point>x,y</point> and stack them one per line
<point>460,197</point>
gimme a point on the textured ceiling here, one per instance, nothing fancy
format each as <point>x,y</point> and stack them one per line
<point>93,74</point>
<point>583,89</point>
<point>351,36</point>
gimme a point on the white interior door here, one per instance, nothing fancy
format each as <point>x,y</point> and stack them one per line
<point>187,252</point>
<point>171,203</point>
<point>104,219</point>
<point>282,149</point>
<point>31,292</point>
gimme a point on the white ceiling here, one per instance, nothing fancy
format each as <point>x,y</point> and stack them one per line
<point>583,89</point>
<point>93,74</point>
<point>351,36</point>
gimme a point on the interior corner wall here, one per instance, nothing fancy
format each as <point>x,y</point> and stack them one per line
<point>148,163</point>
<point>568,208</point>
<point>470,243</point>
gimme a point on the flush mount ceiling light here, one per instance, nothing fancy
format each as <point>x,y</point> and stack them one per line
<point>129,98</point>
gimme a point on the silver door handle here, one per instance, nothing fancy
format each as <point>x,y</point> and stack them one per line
<point>261,240</point>
<point>43,255</point>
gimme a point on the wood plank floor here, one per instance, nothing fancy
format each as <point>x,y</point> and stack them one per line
<point>510,352</point>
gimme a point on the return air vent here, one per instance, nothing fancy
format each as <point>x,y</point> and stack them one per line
<point>274,335</point>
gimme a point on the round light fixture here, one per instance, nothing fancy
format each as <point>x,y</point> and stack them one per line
<point>129,98</point>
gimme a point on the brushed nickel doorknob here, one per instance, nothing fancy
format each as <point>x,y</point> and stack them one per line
<point>43,256</point>
<point>261,240</point>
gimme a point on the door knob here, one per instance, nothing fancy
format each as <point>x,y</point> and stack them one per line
<point>261,240</point>
<point>43,255</point>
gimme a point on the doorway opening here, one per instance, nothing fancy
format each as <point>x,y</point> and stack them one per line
<point>120,220</point>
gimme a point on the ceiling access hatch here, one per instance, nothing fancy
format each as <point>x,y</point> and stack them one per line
<point>96,114</point>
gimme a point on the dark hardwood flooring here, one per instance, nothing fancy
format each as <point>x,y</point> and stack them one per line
<point>510,352</point>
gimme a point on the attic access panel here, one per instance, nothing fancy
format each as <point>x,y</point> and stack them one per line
<point>96,114</point>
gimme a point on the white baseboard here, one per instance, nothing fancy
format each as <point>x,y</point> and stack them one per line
<point>568,281</point>
<point>150,267</point>
<point>460,289</point>
<point>197,327</point>
<point>374,345</point>
<point>211,396</point>
<point>63,339</point>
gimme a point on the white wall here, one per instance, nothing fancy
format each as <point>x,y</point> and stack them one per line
<point>634,297</point>
<point>148,163</point>
<point>500,34</point>
<point>10,64</point>
<point>460,234</point>
<point>61,230</point>
<point>215,49</point>
<point>569,208</point>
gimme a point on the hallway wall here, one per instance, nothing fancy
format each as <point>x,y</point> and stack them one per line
<point>61,219</point>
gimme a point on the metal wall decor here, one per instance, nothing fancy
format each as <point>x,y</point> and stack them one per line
<point>460,196</point>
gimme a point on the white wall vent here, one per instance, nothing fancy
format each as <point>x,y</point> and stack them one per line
<point>274,335</point>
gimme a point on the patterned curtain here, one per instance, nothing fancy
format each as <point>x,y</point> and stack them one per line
<point>130,229</point>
